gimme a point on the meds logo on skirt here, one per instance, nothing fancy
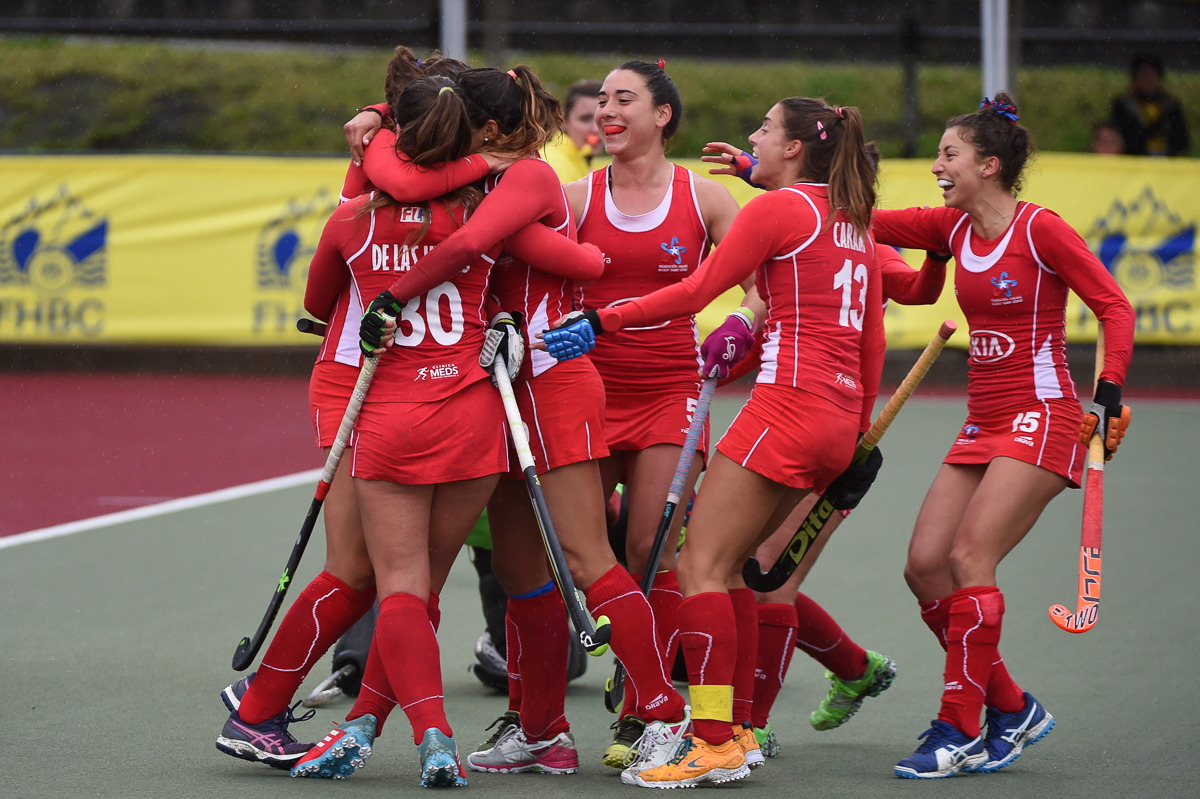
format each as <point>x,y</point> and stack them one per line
<point>287,242</point>
<point>54,245</point>
<point>1145,245</point>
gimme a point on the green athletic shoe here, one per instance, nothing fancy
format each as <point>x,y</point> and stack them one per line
<point>846,696</point>
<point>767,741</point>
<point>623,750</point>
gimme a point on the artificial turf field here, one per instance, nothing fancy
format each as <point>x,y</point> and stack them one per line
<point>117,641</point>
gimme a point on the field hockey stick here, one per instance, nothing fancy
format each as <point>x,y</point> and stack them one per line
<point>306,325</point>
<point>247,648</point>
<point>1087,608</point>
<point>614,687</point>
<point>594,638</point>
<point>812,526</point>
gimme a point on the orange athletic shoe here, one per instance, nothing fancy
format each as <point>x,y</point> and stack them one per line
<point>744,736</point>
<point>695,762</point>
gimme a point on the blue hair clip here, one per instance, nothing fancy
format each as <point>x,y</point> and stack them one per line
<point>1002,109</point>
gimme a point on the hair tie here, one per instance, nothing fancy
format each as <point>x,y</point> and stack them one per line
<point>841,112</point>
<point>662,64</point>
<point>1000,109</point>
<point>512,74</point>
<point>418,62</point>
<point>821,128</point>
<point>445,89</point>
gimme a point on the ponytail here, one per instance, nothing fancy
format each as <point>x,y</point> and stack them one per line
<point>836,153</point>
<point>526,115</point>
<point>434,125</point>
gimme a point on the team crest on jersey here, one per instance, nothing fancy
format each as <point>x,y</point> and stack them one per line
<point>988,346</point>
<point>1002,290</point>
<point>1145,245</point>
<point>969,432</point>
<point>676,251</point>
<point>54,245</point>
<point>287,242</point>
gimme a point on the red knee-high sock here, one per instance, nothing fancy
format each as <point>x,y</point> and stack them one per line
<point>826,642</point>
<point>936,615</point>
<point>409,648</point>
<point>665,598</point>
<point>539,631</point>
<point>776,643</point>
<point>635,643</point>
<point>745,613</point>
<point>708,634</point>
<point>512,657</point>
<point>323,612</point>
<point>375,695</point>
<point>973,639</point>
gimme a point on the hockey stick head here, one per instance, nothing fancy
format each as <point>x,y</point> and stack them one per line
<point>756,579</point>
<point>1079,622</point>
<point>596,643</point>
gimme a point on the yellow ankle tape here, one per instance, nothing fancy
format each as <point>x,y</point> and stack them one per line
<point>713,702</point>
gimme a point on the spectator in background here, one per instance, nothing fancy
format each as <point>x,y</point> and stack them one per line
<point>571,153</point>
<point>1106,140</point>
<point>1149,119</point>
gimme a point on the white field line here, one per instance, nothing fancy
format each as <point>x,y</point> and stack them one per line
<point>163,508</point>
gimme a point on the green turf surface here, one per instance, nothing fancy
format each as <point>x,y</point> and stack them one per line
<point>117,642</point>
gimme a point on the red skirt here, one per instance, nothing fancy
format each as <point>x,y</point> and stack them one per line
<point>563,412</point>
<point>1045,434</point>
<point>792,437</point>
<point>329,391</point>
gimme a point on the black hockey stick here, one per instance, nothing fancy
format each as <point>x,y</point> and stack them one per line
<point>614,687</point>
<point>247,648</point>
<point>595,638</point>
<point>785,565</point>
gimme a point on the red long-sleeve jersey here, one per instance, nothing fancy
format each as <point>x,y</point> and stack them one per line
<point>821,285</point>
<point>395,173</point>
<point>1013,291</point>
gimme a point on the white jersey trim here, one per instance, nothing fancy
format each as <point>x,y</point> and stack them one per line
<point>1032,249</point>
<point>347,345</point>
<point>642,223</point>
<point>816,231</point>
<point>976,263</point>
<point>370,235</point>
<point>699,213</point>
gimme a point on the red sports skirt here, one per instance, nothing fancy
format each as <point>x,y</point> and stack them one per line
<point>329,391</point>
<point>792,437</point>
<point>563,411</point>
<point>461,437</point>
<point>1045,434</point>
<point>636,420</point>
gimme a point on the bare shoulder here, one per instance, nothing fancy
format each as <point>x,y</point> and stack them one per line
<point>577,192</point>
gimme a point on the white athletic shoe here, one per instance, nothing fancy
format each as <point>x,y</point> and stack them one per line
<point>657,745</point>
<point>514,753</point>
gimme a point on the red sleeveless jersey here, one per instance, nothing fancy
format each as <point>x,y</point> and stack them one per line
<point>517,286</point>
<point>1013,291</point>
<point>440,332</point>
<point>643,254</point>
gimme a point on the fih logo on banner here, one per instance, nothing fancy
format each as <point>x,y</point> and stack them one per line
<point>1148,248</point>
<point>53,248</point>
<point>285,248</point>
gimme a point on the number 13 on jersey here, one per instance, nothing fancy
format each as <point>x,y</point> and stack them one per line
<point>845,279</point>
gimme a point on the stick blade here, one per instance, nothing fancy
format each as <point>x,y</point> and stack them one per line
<point>758,580</point>
<point>1076,623</point>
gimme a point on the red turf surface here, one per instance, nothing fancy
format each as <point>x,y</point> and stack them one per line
<point>81,445</point>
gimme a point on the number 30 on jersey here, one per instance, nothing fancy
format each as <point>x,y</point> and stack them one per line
<point>845,279</point>
<point>432,321</point>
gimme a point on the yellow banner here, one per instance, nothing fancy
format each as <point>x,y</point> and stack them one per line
<point>215,249</point>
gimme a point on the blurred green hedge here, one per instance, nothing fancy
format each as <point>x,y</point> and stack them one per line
<point>59,94</point>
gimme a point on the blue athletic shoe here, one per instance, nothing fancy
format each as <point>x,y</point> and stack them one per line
<point>439,761</point>
<point>232,695</point>
<point>945,752</point>
<point>267,742</point>
<point>340,753</point>
<point>1009,733</point>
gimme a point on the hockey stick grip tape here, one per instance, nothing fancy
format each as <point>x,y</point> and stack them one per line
<point>690,444</point>
<point>519,435</point>
<point>913,379</point>
<point>349,419</point>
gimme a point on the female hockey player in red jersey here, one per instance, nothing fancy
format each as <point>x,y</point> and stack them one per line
<point>655,223</point>
<point>807,245</point>
<point>1020,445</point>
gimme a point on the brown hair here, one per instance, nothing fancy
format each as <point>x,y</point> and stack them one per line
<point>662,91</point>
<point>993,134</point>
<point>526,114</point>
<point>402,70</point>
<point>444,66</point>
<point>835,153</point>
<point>434,127</point>
<point>578,91</point>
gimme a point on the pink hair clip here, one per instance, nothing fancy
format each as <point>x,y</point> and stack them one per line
<point>821,128</point>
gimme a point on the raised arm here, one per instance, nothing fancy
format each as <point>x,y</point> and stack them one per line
<point>913,228</point>
<point>906,285</point>
<point>409,183</point>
